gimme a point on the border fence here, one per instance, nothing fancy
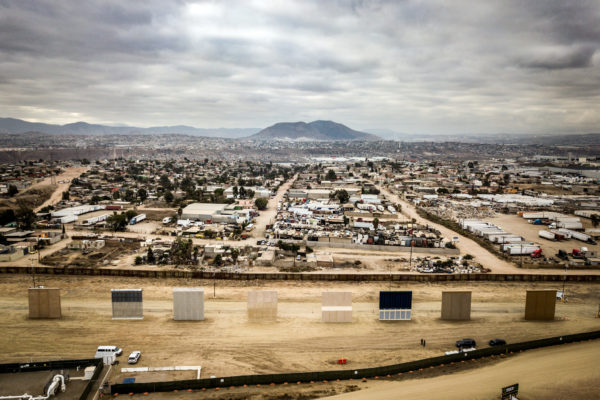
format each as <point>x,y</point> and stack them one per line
<point>267,379</point>
<point>285,276</point>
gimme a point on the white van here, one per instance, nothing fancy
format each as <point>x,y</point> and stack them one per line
<point>104,351</point>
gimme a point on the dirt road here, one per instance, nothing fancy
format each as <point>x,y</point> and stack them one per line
<point>66,178</point>
<point>465,244</point>
<point>268,216</point>
<point>560,372</point>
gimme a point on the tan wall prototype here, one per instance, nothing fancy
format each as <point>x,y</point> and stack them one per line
<point>44,303</point>
<point>262,304</point>
<point>336,307</point>
<point>540,305</point>
<point>456,306</point>
<point>188,304</point>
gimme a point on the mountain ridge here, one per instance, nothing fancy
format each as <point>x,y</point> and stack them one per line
<point>319,130</point>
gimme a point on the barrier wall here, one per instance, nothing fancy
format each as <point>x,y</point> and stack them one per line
<point>456,305</point>
<point>290,276</point>
<point>262,304</point>
<point>44,303</point>
<point>188,304</point>
<point>350,373</point>
<point>540,305</point>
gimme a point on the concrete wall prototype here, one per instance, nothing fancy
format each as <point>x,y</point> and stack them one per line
<point>336,307</point>
<point>395,305</point>
<point>456,306</point>
<point>44,303</point>
<point>127,304</point>
<point>540,305</point>
<point>188,304</point>
<point>262,304</point>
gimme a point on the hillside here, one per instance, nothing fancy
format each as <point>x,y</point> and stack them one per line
<point>13,125</point>
<point>316,130</point>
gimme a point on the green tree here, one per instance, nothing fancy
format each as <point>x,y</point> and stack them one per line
<point>331,176</point>
<point>117,222</point>
<point>218,260</point>
<point>169,196</point>
<point>12,190</point>
<point>235,253</point>
<point>595,220</point>
<point>376,222</point>
<point>7,216</point>
<point>138,260</point>
<point>150,256</point>
<point>130,214</point>
<point>66,195</point>
<point>261,203</point>
<point>25,217</point>
<point>142,194</point>
<point>342,196</point>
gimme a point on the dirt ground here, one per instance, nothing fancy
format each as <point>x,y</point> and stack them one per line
<point>226,343</point>
<point>559,372</point>
<point>66,177</point>
<point>554,373</point>
<point>520,226</point>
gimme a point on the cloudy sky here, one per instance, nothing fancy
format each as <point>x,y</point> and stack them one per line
<point>409,66</point>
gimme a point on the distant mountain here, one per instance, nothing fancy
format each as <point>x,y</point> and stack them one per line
<point>316,130</point>
<point>12,125</point>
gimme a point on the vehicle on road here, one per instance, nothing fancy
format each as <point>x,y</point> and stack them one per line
<point>134,357</point>
<point>465,343</point>
<point>497,342</point>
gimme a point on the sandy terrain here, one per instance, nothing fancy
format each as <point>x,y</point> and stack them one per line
<point>226,343</point>
<point>520,226</point>
<point>65,178</point>
<point>563,372</point>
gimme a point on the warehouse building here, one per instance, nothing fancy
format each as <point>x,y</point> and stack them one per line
<point>540,305</point>
<point>214,213</point>
<point>262,304</point>
<point>188,304</point>
<point>127,304</point>
<point>44,303</point>
<point>336,307</point>
<point>456,306</point>
<point>395,305</point>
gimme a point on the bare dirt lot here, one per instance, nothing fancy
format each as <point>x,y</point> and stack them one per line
<point>226,343</point>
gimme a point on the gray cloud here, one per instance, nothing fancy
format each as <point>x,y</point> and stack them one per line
<point>410,66</point>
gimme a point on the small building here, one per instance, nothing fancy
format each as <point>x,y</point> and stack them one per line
<point>456,305</point>
<point>262,304</point>
<point>336,307</point>
<point>127,304</point>
<point>44,303</point>
<point>540,305</point>
<point>188,304</point>
<point>203,211</point>
<point>395,305</point>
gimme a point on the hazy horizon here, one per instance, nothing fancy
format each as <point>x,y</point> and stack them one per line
<point>410,67</point>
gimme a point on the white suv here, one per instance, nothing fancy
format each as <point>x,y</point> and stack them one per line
<point>134,357</point>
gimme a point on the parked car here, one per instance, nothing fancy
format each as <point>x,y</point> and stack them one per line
<point>134,357</point>
<point>497,342</point>
<point>465,343</point>
<point>104,351</point>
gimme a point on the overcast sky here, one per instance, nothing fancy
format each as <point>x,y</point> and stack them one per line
<point>409,66</point>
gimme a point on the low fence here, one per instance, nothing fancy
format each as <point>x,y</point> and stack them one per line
<point>56,365</point>
<point>375,247</point>
<point>350,373</point>
<point>292,276</point>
